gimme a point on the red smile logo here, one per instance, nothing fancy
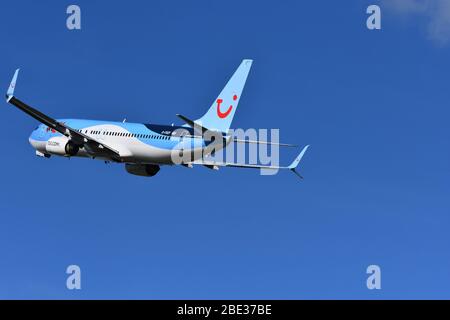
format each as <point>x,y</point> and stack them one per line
<point>226,113</point>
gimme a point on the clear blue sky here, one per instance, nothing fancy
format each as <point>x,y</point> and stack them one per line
<point>374,105</point>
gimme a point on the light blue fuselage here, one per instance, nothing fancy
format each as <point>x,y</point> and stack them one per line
<point>136,142</point>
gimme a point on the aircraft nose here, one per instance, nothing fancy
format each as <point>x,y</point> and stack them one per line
<point>32,139</point>
<point>35,142</point>
<point>34,133</point>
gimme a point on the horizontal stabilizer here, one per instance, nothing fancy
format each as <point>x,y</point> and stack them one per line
<point>191,123</point>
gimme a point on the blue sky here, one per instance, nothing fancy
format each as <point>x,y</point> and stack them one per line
<point>373,105</point>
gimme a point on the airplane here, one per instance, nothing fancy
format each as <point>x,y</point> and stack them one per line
<point>144,148</point>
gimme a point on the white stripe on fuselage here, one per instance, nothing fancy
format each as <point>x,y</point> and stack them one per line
<point>134,150</point>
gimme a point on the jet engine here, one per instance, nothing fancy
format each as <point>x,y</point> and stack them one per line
<point>61,146</point>
<point>145,170</point>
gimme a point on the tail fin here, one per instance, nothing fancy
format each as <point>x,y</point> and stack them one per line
<point>221,112</point>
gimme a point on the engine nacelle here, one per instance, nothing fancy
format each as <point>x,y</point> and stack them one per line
<point>61,146</point>
<point>145,170</point>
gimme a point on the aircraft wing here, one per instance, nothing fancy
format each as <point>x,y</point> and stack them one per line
<point>90,144</point>
<point>215,165</point>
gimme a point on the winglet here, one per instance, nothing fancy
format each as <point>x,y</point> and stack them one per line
<point>297,160</point>
<point>12,85</point>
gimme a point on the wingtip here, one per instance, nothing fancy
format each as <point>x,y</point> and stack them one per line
<point>12,85</point>
<point>297,160</point>
<point>296,173</point>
